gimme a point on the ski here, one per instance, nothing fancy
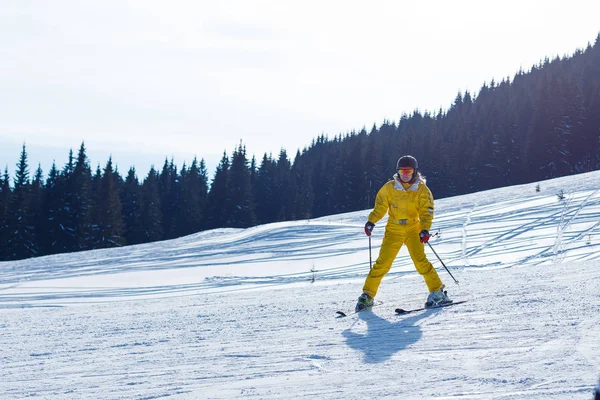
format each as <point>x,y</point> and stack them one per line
<point>341,314</point>
<point>402,311</point>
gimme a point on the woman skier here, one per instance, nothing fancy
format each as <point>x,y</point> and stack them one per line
<point>409,203</point>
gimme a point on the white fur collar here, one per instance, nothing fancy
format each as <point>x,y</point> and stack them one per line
<point>398,184</point>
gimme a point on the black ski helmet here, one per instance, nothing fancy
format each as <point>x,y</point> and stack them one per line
<point>407,162</point>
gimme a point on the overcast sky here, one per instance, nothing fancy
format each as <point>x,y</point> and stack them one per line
<point>148,79</point>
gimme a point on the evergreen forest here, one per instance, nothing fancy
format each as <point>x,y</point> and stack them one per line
<point>541,124</point>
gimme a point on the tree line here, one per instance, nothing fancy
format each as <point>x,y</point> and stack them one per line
<point>544,123</point>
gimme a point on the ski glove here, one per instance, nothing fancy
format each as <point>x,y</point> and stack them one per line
<point>424,235</point>
<point>369,228</point>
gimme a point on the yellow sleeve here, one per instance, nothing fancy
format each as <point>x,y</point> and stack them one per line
<point>425,207</point>
<point>381,205</point>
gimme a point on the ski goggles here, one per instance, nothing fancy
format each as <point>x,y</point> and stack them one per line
<point>406,171</point>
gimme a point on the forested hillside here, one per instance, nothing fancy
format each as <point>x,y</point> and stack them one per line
<point>542,123</point>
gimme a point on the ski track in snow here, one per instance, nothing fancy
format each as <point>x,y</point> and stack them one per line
<point>232,313</point>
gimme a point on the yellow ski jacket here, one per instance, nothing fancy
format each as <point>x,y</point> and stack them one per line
<point>404,206</point>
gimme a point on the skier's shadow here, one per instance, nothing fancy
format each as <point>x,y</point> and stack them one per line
<point>384,338</point>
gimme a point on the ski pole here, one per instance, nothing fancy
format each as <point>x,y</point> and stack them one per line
<point>370,259</point>
<point>438,257</point>
<point>368,205</point>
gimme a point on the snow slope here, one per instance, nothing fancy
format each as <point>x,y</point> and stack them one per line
<point>234,313</point>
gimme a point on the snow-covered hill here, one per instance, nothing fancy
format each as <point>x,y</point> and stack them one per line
<point>235,313</point>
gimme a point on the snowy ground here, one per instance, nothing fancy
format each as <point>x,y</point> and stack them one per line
<point>233,313</point>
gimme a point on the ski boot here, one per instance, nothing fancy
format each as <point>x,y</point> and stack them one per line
<point>438,298</point>
<point>364,301</point>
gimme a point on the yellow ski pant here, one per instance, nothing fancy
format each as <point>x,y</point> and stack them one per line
<point>395,236</point>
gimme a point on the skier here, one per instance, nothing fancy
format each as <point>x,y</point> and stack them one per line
<point>409,203</point>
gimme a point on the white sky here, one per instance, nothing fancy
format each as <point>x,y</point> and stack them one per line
<point>146,79</point>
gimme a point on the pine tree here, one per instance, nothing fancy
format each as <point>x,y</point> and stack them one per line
<point>151,210</point>
<point>203,189</point>
<point>52,208</point>
<point>217,213</point>
<point>65,239</point>
<point>322,175</point>
<point>266,201</point>
<point>169,189</point>
<point>351,177</point>
<point>20,242</point>
<point>283,187</point>
<point>520,110</point>
<point>194,189</point>
<point>336,201</point>
<point>549,137</point>
<point>108,228</point>
<point>37,207</point>
<point>241,206</point>
<point>253,175</point>
<point>96,180</point>
<point>303,194</point>
<point>81,192</point>
<point>132,208</point>
<point>5,195</point>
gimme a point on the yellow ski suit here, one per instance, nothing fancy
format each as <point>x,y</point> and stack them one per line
<point>410,209</point>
